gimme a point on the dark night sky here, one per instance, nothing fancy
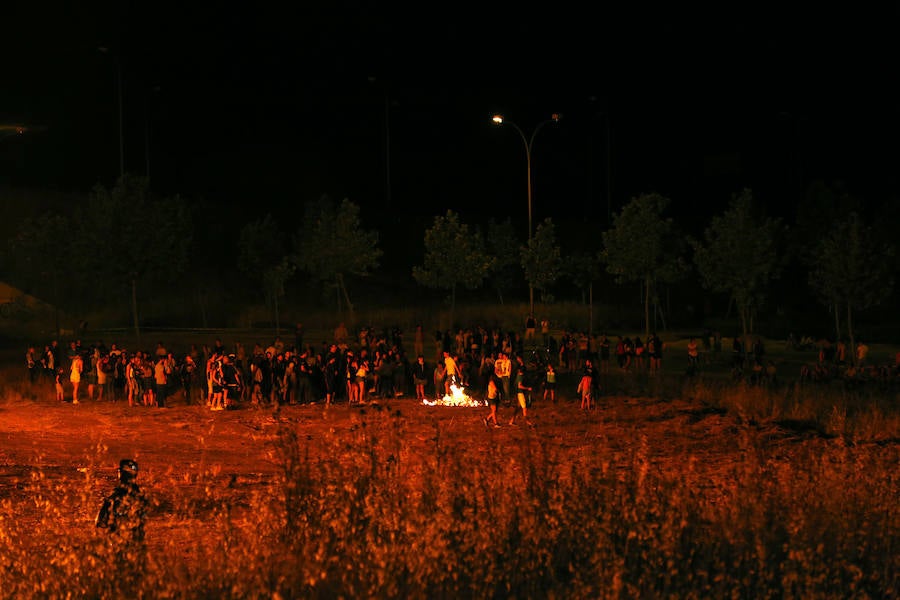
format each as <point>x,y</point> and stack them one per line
<point>268,106</point>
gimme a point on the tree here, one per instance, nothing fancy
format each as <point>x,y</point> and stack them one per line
<point>36,262</point>
<point>821,206</point>
<point>541,259</point>
<point>583,269</point>
<point>263,260</point>
<point>331,244</point>
<point>504,249</point>
<point>852,268</point>
<point>126,237</point>
<point>454,256</point>
<point>644,246</point>
<point>739,256</point>
<point>274,278</point>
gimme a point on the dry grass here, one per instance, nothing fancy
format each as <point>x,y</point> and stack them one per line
<point>707,492</point>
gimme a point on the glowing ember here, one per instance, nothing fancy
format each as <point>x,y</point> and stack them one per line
<point>457,397</point>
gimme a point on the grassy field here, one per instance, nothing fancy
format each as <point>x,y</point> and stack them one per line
<point>674,486</point>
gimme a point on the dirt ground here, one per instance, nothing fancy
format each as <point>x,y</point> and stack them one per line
<point>60,441</point>
<point>64,441</point>
<point>194,461</point>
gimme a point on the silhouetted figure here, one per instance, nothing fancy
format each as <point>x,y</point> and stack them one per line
<point>123,510</point>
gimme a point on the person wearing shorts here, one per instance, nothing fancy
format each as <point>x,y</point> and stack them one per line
<point>420,377</point>
<point>521,390</point>
<point>550,384</point>
<point>362,373</point>
<point>586,386</point>
<point>493,400</point>
<point>75,376</point>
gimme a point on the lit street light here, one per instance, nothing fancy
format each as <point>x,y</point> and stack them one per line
<point>529,143</point>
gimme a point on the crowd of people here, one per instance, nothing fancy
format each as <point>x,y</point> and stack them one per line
<point>497,366</point>
<point>369,364</point>
<point>838,360</point>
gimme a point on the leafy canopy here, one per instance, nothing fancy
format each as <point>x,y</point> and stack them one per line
<point>260,247</point>
<point>739,254</point>
<point>33,257</point>
<point>502,245</point>
<point>332,243</point>
<point>851,265</point>
<point>126,235</point>
<point>541,258</point>
<point>642,245</point>
<point>454,256</point>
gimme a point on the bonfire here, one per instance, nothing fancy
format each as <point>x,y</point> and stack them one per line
<point>456,397</point>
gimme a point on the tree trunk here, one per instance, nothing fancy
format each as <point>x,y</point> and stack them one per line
<point>134,308</point>
<point>836,308</point>
<point>659,311</point>
<point>343,289</point>
<point>56,301</point>
<point>591,308</point>
<point>452,304</point>
<point>852,348</point>
<point>337,291</point>
<point>277,319</point>
<point>201,301</point>
<point>646,307</point>
<point>745,313</point>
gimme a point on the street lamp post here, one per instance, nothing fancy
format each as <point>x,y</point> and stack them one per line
<point>117,62</point>
<point>529,144</point>
<point>387,139</point>
<point>605,116</point>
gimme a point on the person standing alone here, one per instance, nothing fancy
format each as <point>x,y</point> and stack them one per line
<point>493,400</point>
<point>122,515</point>
<point>503,370</point>
<point>452,373</point>
<point>522,391</point>
<point>75,375</point>
<point>420,377</point>
<point>530,325</point>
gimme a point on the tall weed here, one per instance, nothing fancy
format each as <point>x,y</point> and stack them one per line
<point>361,514</point>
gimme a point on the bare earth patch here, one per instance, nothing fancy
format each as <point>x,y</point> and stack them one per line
<point>234,448</point>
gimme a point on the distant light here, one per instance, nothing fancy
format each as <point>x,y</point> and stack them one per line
<point>556,117</point>
<point>14,129</point>
<point>498,119</point>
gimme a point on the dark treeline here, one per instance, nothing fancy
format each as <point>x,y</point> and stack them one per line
<point>129,251</point>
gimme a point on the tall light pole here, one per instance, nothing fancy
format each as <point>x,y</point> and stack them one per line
<point>605,116</point>
<point>152,92</point>
<point>601,111</point>
<point>387,139</point>
<point>117,61</point>
<point>529,144</point>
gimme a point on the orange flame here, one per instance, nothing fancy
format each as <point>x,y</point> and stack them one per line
<point>456,397</point>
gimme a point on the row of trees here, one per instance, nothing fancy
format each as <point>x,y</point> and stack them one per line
<point>125,238</point>
<point>120,240</point>
<point>739,254</point>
